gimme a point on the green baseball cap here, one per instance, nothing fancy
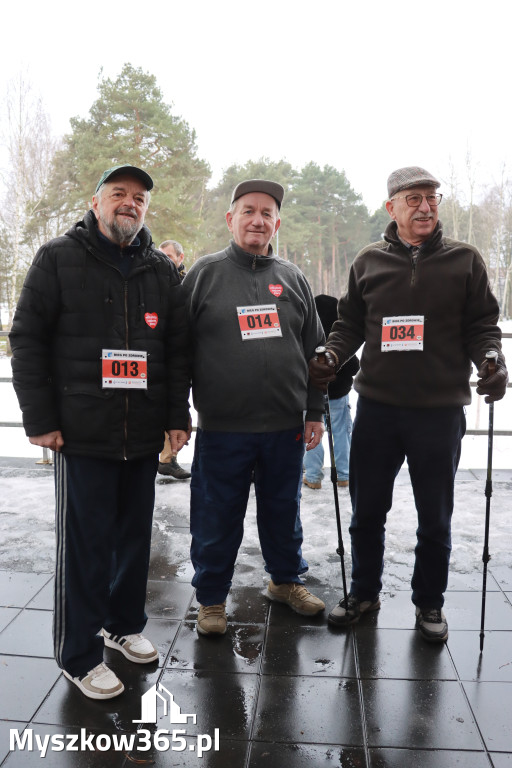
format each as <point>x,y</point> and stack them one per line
<point>130,170</point>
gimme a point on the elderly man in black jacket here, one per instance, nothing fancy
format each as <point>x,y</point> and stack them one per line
<point>100,369</point>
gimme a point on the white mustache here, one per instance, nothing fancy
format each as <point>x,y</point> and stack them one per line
<point>126,213</point>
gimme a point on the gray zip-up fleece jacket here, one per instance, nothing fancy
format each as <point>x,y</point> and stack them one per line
<point>446,285</point>
<point>244,380</point>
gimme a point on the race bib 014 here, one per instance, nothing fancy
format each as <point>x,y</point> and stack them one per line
<point>258,322</point>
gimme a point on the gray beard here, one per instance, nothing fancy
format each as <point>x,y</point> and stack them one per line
<point>124,233</point>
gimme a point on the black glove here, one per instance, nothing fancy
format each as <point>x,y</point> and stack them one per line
<point>322,369</point>
<point>495,385</point>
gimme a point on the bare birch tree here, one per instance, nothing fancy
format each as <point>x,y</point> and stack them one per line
<point>29,150</point>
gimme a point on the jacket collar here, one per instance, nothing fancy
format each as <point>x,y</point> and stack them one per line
<point>248,260</point>
<point>391,236</point>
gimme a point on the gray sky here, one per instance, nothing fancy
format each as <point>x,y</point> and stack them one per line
<point>366,87</point>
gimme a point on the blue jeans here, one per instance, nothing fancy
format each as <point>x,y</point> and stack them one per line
<point>383,437</point>
<point>219,491</point>
<point>341,425</point>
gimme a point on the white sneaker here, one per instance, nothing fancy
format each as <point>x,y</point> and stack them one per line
<point>99,683</point>
<point>136,648</point>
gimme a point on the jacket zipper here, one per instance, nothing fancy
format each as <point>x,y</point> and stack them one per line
<point>126,328</point>
<point>414,261</point>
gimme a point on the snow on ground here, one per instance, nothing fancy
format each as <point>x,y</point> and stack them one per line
<point>27,510</point>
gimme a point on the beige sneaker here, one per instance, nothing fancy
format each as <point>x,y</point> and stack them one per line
<point>212,619</point>
<point>296,596</point>
<point>99,683</point>
<point>310,484</point>
<point>137,648</point>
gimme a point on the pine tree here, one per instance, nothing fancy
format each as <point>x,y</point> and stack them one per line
<point>130,123</point>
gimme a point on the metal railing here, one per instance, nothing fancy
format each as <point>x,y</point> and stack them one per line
<point>47,460</point>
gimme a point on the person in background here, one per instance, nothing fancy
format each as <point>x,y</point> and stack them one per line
<point>101,368</point>
<point>174,251</point>
<point>339,407</point>
<point>254,325</point>
<point>422,305</point>
<point>168,463</point>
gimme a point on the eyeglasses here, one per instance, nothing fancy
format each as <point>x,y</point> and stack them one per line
<point>414,201</point>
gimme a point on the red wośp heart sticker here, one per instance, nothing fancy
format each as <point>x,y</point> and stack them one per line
<point>276,290</point>
<point>151,319</point>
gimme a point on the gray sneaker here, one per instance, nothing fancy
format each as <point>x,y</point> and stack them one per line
<point>350,611</point>
<point>173,469</point>
<point>432,624</point>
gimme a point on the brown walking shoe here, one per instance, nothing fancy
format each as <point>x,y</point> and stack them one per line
<point>296,596</point>
<point>212,619</point>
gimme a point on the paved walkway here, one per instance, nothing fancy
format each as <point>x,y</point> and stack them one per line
<point>282,690</point>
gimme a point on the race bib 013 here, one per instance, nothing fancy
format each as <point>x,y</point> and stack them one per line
<point>124,369</point>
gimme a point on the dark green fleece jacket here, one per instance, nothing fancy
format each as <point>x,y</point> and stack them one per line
<point>447,285</point>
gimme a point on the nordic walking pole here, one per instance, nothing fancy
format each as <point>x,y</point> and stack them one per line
<point>491,357</point>
<point>320,351</point>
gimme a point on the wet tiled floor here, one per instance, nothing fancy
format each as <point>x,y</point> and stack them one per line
<point>278,690</point>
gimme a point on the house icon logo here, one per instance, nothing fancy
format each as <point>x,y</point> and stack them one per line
<point>149,702</point>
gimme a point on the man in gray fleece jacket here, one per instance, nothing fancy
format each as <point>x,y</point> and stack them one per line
<point>254,327</point>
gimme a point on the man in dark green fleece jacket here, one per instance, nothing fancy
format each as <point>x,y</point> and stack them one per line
<point>254,326</point>
<point>423,307</point>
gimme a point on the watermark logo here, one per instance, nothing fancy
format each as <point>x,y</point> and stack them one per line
<point>149,707</point>
<point>144,740</point>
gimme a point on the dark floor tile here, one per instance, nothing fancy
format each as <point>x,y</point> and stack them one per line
<point>316,710</point>
<point>464,611</point>
<point>244,605</point>
<point>292,650</point>
<point>403,654</point>
<point>24,682</point>
<point>415,758</point>
<point>30,634</point>
<point>418,714</point>
<point>239,650</point>
<point>225,701</point>
<point>494,664</point>
<point>198,752</point>
<point>17,588</point>
<point>67,706</point>
<point>168,600</point>
<point>492,704</point>
<point>161,632</point>
<point>43,601</point>
<point>5,727</point>
<point>271,755</point>
<point>7,615</point>
<point>55,758</point>
<point>396,612</point>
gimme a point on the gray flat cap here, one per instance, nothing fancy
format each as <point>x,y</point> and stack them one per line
<point>271,188</point>
<point>412,176</point>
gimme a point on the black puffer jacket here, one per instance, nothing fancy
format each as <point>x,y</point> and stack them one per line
<point>74,303</point>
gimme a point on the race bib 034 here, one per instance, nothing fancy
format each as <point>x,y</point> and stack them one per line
<point>402,333</point>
